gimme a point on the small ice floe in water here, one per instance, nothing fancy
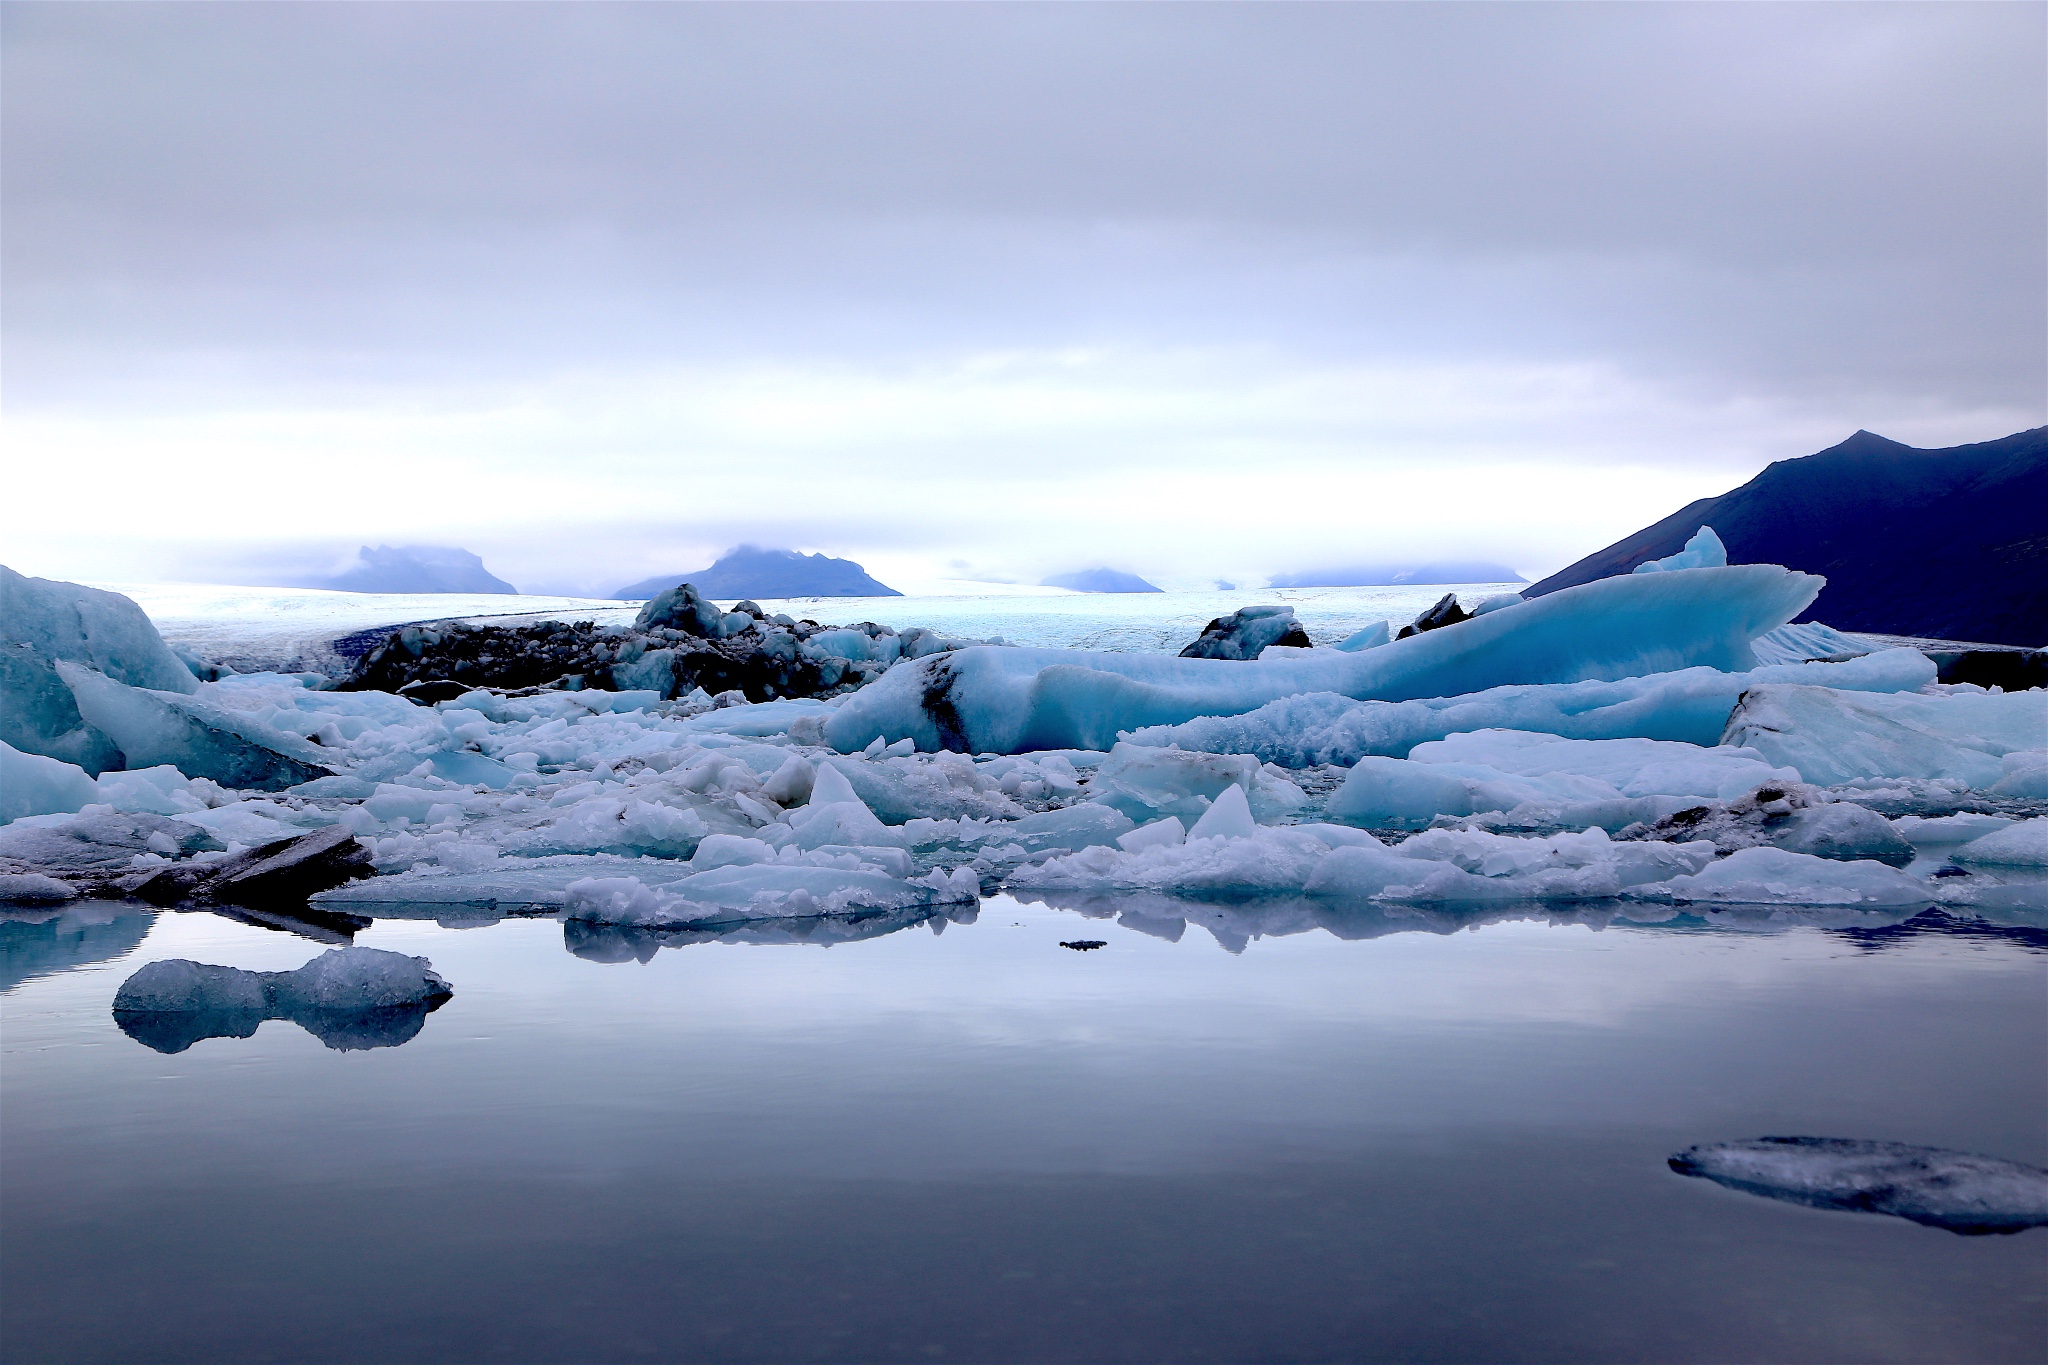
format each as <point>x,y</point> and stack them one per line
<point>1959,1191</point>
<point>350,998</point>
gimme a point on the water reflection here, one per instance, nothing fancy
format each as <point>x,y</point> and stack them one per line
<point>45,940</point>
<point>342,1030</point>
<point>1235,926</point>
<point>626,943</point>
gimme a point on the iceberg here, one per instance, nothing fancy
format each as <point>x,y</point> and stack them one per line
<point>1004,700</point>
<point>1146,784</point>
<point>1961,733</point>
<point>1776,876</point>
<point>1703,551</point>
<point>1689,706</point>
<point>155,727</point>
<point>103,631</point>
<point>33,785</point>
<point>1959,1191</point>
<point>2021,845</point>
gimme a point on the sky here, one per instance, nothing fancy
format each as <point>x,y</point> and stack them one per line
<point>987,292</point>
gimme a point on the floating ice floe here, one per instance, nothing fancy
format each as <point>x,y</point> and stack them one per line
<point>1960,1191</point>
<point>1831,737</point>
<point>1013,700</point>
<point>2021,845</point>
<point>348,998</point>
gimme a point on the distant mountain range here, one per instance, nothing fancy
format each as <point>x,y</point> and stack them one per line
<point>1100,580</point>
<point>1395,575</point>
<point>1948,544</point>
<point>752,571</point>
<point>411,568</point>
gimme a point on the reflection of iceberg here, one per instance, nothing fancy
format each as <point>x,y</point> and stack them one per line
<point>350,998</point>
<point>37,943</point>
<point>1235,925</point>
<point>1959,1191</point>
<point>594,942</point>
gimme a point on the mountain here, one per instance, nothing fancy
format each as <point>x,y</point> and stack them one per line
<point>751,571</point>
<point>1949,544</point>
<point>412,568</point>
<point>1393,575</point>
<point>1100,580</point>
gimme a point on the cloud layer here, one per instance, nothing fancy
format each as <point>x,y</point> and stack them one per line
<point>598,290</point>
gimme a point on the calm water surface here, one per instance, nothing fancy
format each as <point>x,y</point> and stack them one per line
<point>1289,1134</point>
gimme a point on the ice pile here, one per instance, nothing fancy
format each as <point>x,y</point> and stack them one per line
<point>1614,744</point>
<point>1015,700</point>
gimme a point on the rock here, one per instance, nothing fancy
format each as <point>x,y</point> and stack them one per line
<point>1246,633</point>
<point>1446,612</point>
<point>430,690</point>
<point>290,869</point>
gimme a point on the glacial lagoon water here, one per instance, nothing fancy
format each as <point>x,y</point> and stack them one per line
<point>1279,1132</point>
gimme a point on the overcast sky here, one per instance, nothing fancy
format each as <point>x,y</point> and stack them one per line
<point>989,291</point>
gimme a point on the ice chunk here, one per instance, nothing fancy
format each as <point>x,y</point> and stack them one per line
<point>1703,551</point>
<point>349,998</point>
<point>1393,793</point>
<point>1268,861</point>
<point>2022,845</point>
<point>1248,632</point>
<point>734,894</point>
<point>1808,642</point>
<point>1831,737</point>
<point>1366,637</point>
<point>2025,776</point>
<point>33,888</point>
<point>1000,700</point>
<point>1166,833</point>
<point>1498,602</point>
<point>98,842</point>
<point>1690,705</point>
<point>1959,1191</point>
<point>1776,876</point>
<point>1147,783</point>
<point>1632,767</point>
<point>33,785</point>
<point>161,790</point>
<point>1228,817</point>
<point>198,739</point>
<point>103,631</point>
<point>38,714</point>
<point>1843,830</point>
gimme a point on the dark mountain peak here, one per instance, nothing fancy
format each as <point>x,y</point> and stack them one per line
<point>1941,543</point>
<point>762,571</point>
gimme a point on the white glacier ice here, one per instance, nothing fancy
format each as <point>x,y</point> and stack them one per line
<point>1012,700</point>
<point>1776,876</point>
<point>2021,845</point>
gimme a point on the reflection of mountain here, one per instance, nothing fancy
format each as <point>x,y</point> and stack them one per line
<point>624,943</point>
<point>1234,926</point>
<point>44,942</point>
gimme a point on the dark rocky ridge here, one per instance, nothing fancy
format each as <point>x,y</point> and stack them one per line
<point>679,642</point>
<point>1948,544</point>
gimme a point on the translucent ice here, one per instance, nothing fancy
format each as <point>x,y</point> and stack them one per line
<point>103,631</point>
<point>1832,737</point>
<point>1703,551</point>
<point>191,735</point>
<point>33,785</point>
<point>1776,876</point>
<point>1147,783</point>
<point>1012,700</point>
<point>1690,705</point>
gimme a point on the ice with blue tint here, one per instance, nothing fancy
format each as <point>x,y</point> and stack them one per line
<point>1961,733</point>
<point>191,734</point>
<point>103,631</point>
<point>1013,700</point>
<point>1690,705</point>
<point>1366,637</point>
<point>33,785</point>
<point>1703,551</point>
